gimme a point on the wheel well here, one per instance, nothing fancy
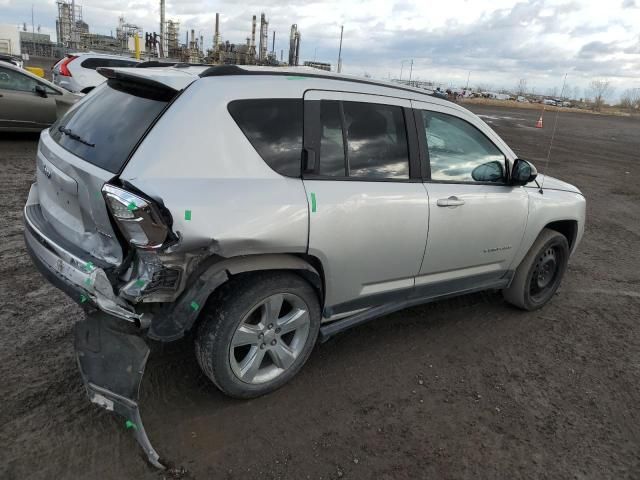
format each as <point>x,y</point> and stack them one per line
<point>568,228</point>
<point>307,267</point>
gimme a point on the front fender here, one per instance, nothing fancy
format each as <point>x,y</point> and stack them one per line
<point>548,207</point>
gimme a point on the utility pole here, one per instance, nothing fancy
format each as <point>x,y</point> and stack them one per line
<point>340,50</point>
<point>468,75</point>
<point>33,33</point>
<point>410,70</point>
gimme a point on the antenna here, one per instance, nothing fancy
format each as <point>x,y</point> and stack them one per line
<point>553,134</point>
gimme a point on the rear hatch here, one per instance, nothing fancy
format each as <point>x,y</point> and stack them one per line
<point>87,148</point>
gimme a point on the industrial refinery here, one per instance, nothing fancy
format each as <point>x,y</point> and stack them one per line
<point>167,44</point>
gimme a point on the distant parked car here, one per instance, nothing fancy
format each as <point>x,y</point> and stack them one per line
<point>29,103</point>
<point>77,71</point>
<point>440,94</point>
<point>17,61</point>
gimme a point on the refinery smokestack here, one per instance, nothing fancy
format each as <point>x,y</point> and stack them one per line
<point>264,38</point>
<point>253,32</point>
<point>216,37</point>
<point>162,35</point>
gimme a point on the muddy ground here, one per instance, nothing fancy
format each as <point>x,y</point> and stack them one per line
<point>468,388</point>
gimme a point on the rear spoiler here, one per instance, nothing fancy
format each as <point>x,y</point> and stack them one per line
<point>130,77</point>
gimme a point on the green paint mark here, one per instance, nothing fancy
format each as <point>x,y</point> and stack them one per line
<point>313,202</point>
<point>195,306</point>
<point>87,282</point>
<point>295,78</point>
<point>129,424</point>
<point>83,298</point>
<point>98,194</point>
<point>131,207</point>
<point>187,214</point>
<point>140,283</point>
<point>89,266</point>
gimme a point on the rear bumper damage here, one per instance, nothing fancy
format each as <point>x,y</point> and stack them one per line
<point>112,356</point>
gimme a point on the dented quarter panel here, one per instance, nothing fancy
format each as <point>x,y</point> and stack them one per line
<point>222,196</point>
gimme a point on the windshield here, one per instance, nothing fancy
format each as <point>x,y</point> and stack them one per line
<point>107,125</point>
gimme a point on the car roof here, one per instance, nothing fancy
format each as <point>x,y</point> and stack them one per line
<point>178,76</point>
<point>104,55</point>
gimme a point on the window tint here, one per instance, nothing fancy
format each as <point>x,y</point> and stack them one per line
<point>274,128</point>
<point>106,126</point>
<point>376,140</point>
<point>96,62</point>
<point>459,152</point>
<point>332,161</point>
<point>11,80</point>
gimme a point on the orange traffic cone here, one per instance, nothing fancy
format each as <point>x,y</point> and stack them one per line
<point>539,122</point>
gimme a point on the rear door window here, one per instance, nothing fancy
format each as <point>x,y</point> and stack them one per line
<point>376,139</point>
<point>107,125</point>
<point>274,128</point>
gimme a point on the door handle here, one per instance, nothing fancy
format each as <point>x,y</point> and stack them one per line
<point>452,201</point>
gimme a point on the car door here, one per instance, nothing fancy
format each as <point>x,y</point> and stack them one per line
<point>21,107</point>
<point>368,212</point>
<point>476,219</point>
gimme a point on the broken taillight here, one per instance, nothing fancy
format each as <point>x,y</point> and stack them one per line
<point>139,219</point>
<point>64,70</point>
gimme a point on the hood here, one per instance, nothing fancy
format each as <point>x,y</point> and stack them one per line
<point>551,183</point>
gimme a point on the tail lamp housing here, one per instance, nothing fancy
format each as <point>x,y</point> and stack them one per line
<point>64,70</point>
<point>139,219</point>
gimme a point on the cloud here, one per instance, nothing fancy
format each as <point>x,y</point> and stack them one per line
<point>499,41</point>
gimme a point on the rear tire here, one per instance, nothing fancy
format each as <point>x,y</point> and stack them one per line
<point>539,274</point>
<point>257,332</point>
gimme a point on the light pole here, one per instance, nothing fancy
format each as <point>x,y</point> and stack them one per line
<point>340,50</point>
<point>402,65</point>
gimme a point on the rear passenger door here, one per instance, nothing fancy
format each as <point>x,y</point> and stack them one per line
<point>477,219</point>
<point>368,207</point>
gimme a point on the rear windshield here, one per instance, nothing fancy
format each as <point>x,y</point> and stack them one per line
<point>107,125</point>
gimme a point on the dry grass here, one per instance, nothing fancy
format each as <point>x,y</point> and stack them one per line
<point>539,106</point>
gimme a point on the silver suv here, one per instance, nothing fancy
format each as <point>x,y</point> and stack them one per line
<point>263,208</point>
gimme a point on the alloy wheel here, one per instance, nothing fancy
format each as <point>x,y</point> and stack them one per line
<point>269,338</point>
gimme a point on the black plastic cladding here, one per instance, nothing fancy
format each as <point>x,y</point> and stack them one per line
<point>228,70</point>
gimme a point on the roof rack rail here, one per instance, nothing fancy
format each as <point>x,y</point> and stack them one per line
<point>157,63</point>
<point>228,70</point>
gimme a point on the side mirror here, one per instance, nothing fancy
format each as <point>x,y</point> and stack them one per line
<point>488,172</point>
<point>40,90</point>
<point>523,172</point>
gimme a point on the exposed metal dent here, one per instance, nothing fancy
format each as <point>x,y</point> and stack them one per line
<point>179,316</point>
<point>92,280</point>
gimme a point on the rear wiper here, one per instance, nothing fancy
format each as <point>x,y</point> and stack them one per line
<point>74,136</point>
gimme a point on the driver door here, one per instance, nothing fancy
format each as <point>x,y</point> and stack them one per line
<point>21,107</point>
<point>476,219</point>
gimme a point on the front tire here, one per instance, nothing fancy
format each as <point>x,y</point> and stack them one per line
<point>257,332</point>
<point>539,274</point>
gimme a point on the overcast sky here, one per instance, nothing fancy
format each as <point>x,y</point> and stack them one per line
<point>497,41</point>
